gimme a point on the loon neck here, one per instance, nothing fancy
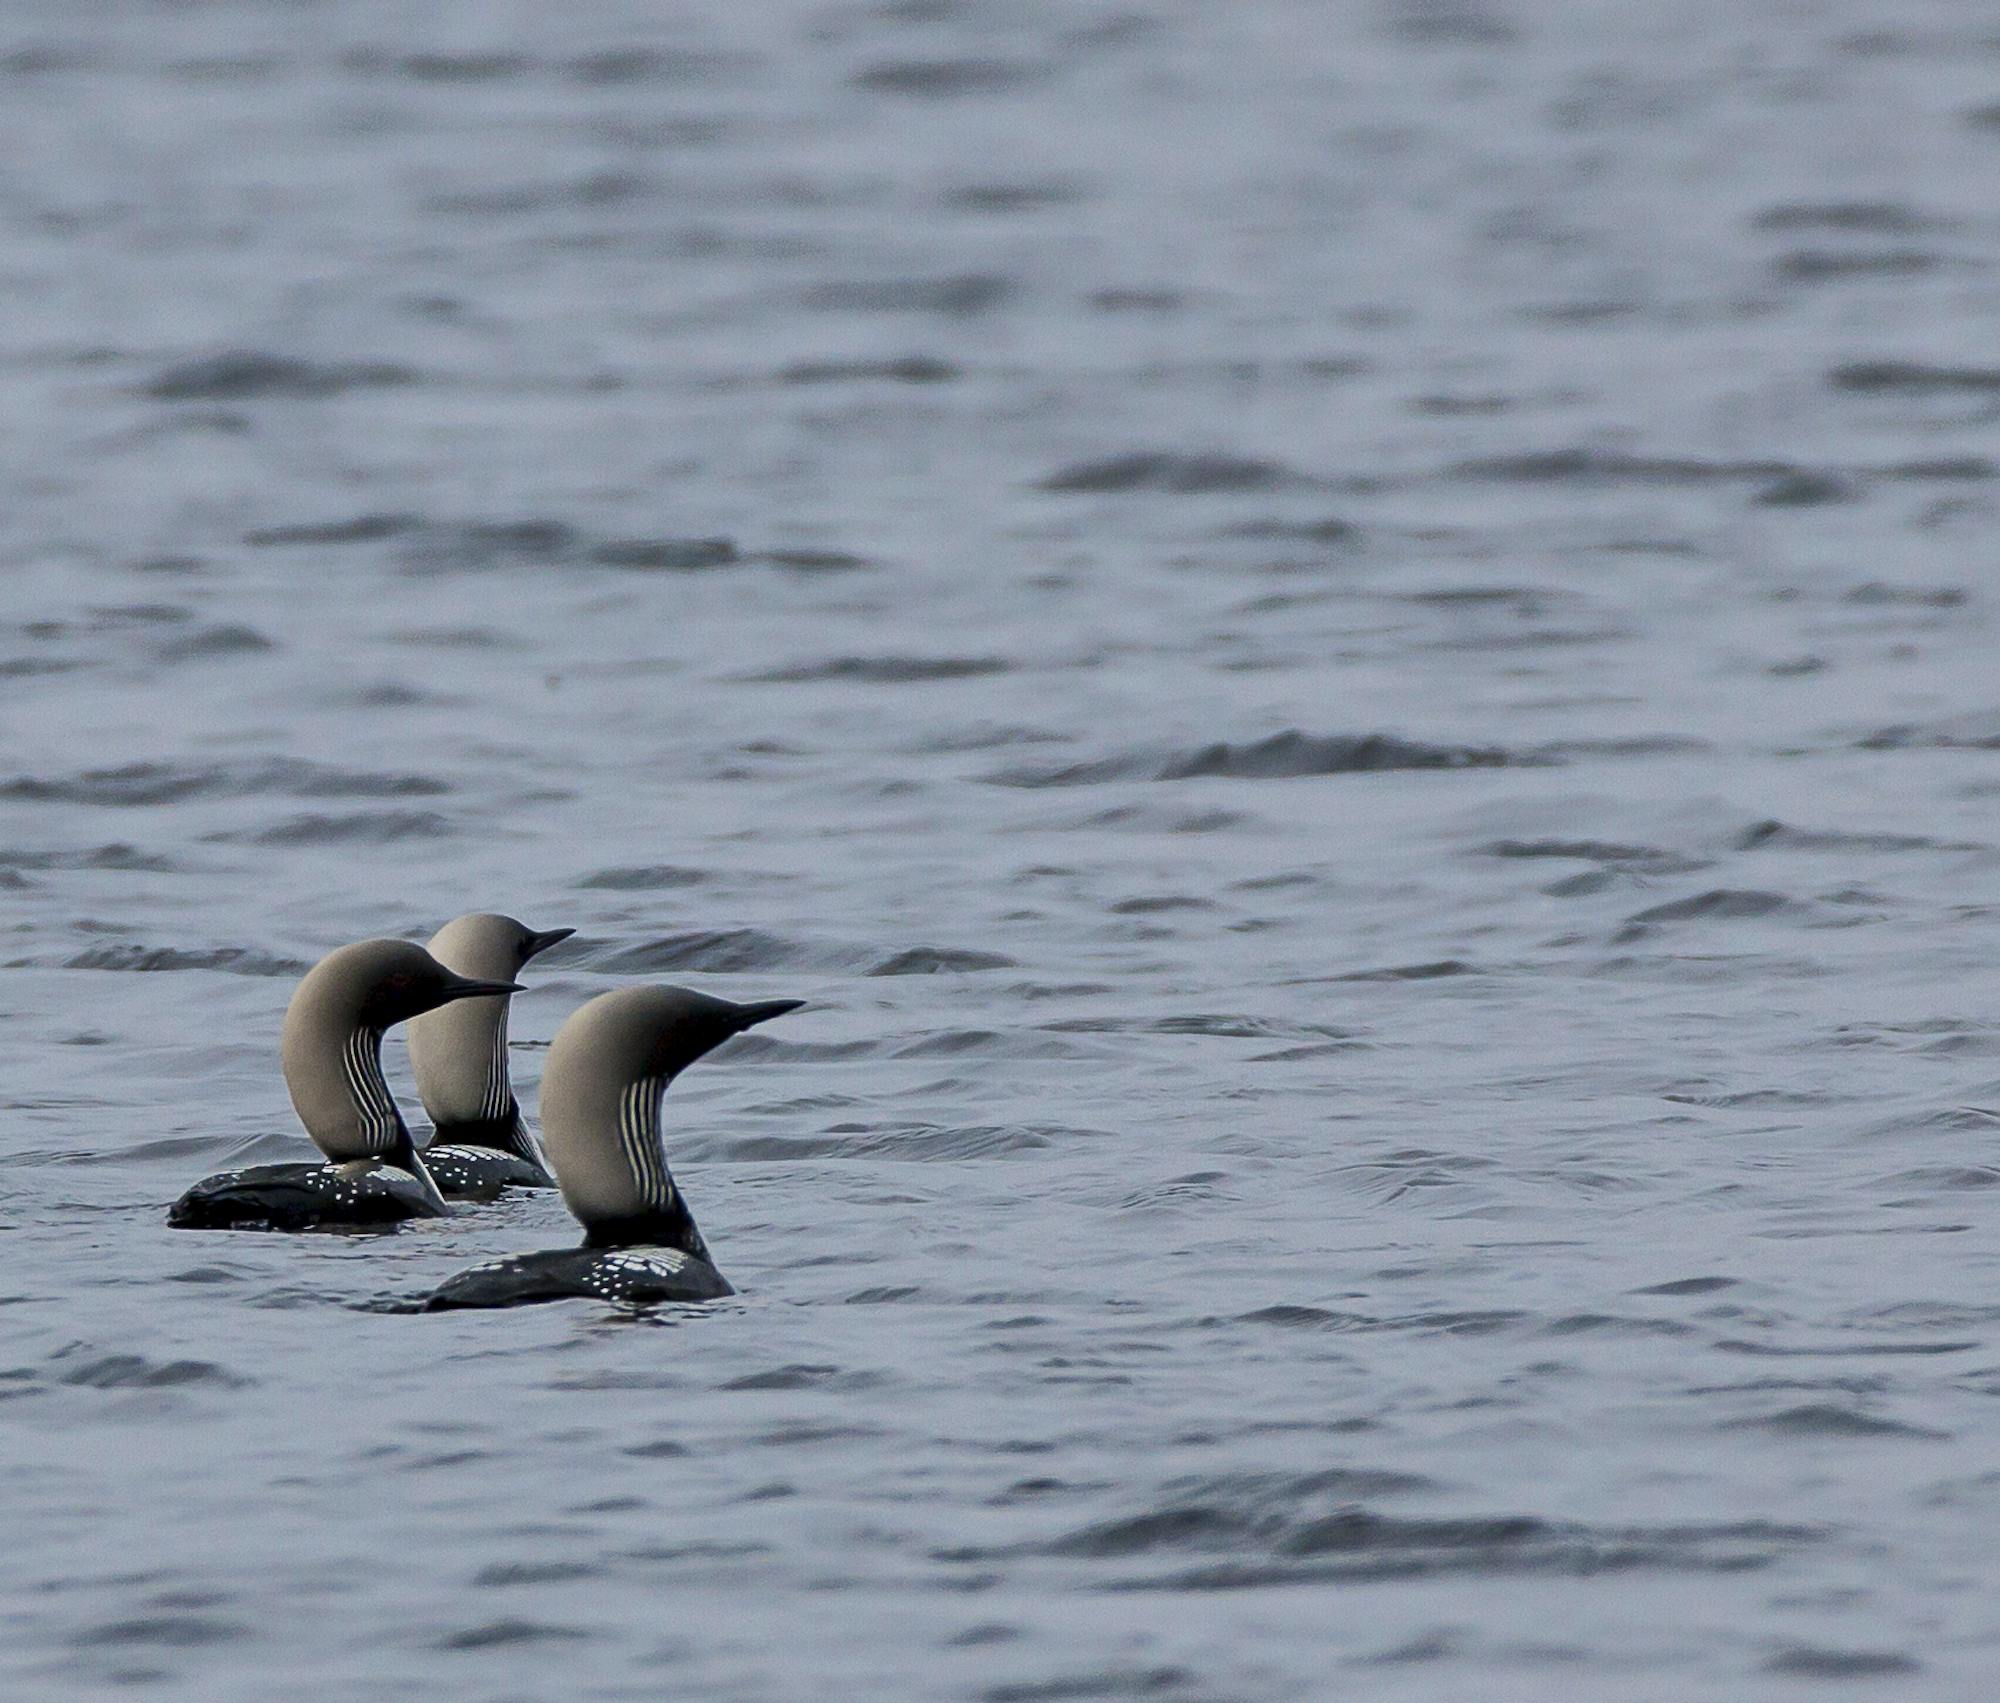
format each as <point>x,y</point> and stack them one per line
<point>378,1122</point>
<point>458,1054</point>
<point>343,1099</point>
<point>507,1133</point>
<point>499,1101</point>
<point>658,1215</point>
<point>671,1228</point>
<point>333,1070</point>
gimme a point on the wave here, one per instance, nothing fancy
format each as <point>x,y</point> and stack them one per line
<point>360,827</point>
<point>137,1372</point>
<point>239,375</point>
<point>1976,732</point>
<point>138,784</point>
<point>884,670</point>
<point>1912,378</point>
<point>1603,466</point>
<point>945,78</point>
<point>1282,756</point>
<point>1271,1528</point>
<point>1720,904</point>
<point>425,545</point>
<point>726,951</point>
<point>645,878</point>
<point>915,1141</point>
<point>357,529</point>
<point>237,960</point>
<point>1772,833</point>
<point>230,639</point>
<point>1651,860</point>
<point>905,369</point>
<point>680,555</point>
<point>116,855</point>
<point>960,295</point>
<point>940,960</point>
<point>1179,475</point>
<point>1830,1419</point>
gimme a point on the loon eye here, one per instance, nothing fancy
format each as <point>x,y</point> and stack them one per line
<point>399,980</point>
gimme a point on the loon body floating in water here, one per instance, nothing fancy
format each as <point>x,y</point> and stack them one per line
<point>458,1054</point>
<point>333,1067</point>
<point>608,1071</point>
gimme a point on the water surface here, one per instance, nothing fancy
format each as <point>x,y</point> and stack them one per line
<point>1349,651</point>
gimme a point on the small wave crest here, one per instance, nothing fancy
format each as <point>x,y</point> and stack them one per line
<point>241,375</point>
<point>1282,756</point>
<point>1172,474</point>
<point>1273,1528</point>
<point>237,960</point>
<point>148,783</point>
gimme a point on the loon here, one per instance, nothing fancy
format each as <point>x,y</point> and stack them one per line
<point>608,1071</point>
<point>458,1054</point>
<point>333,1067</point>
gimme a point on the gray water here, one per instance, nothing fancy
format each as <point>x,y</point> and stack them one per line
<point>1349,651</point>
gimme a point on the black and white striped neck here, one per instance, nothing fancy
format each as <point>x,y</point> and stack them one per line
<point>663,1219</point>
<point>497,1101</point>
<point>381,1124</point>
<point>639,1141</point>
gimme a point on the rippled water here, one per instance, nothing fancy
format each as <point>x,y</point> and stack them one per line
<point>1348,650</point>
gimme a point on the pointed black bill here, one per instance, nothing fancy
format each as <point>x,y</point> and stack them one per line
<point>762,1011</point>
<point>540,943</point>
<point>465,987</point>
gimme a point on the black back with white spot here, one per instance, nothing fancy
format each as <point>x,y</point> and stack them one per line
<point>632,1277</point>
<point>481,1173</point>
<point>302,1197</point>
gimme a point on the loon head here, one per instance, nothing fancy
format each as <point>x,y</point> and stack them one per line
<point>458,1052</point>
<point>608,1068</point>
<point>333,1039</point>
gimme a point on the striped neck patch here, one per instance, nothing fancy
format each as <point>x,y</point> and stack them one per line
<point>639,1139</point>
<point>381,1125</point>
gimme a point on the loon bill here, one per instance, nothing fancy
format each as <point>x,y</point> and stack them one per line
<point>481,1143</point>
<point>607,1074</point>
<point>332,1052</point>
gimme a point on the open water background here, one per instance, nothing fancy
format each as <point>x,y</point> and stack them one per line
<point>1350,651</point>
